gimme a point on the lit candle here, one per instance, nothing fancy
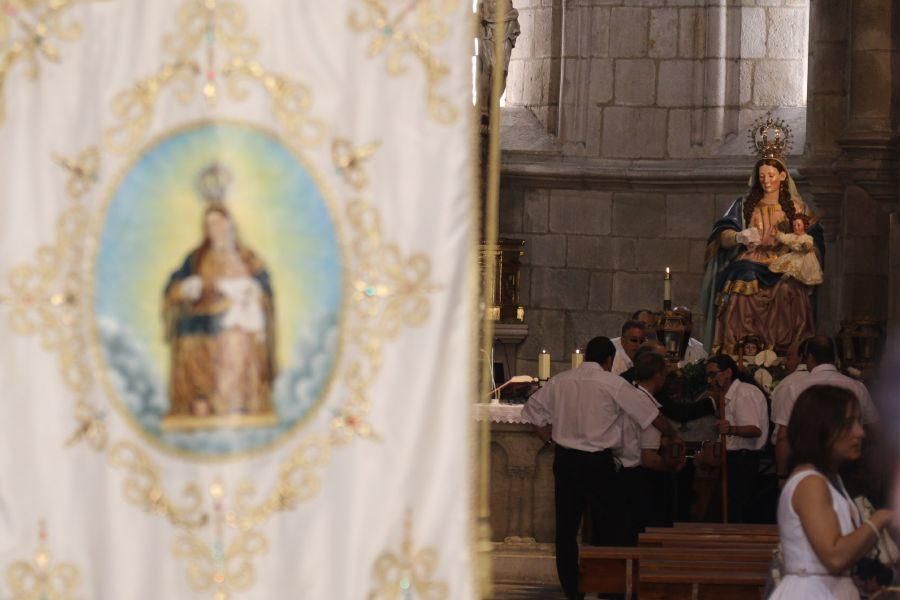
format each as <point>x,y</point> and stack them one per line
<point>577,358</point>
<point>543,365</point>
<point>667,290</point>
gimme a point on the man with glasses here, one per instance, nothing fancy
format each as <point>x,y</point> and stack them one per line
<point>746,427</point>
<point>633,336</point>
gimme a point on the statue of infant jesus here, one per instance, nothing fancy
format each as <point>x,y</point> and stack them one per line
<point>802,262</point>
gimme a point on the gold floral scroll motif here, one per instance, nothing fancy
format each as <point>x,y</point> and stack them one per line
<point>41,578</point>
<point>407,572</point>
<point>29,31</point>
<point>402,37</point>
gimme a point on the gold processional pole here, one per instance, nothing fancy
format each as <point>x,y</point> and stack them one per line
<point>491,220</point>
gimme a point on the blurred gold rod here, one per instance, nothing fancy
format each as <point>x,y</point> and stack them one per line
<point>491,220</point>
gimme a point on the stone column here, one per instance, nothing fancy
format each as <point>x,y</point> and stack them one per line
<point>827,109</point>
<point>869,149</point>
<point>827,113</point>
<point>894,273</point>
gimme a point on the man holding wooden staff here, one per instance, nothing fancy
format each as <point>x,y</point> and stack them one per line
<point>745,426</point>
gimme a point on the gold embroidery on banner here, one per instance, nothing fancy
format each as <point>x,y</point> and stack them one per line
<point>41,578</point>
<point>408,572</point>
<point>27,31</point>
<point>349,161</point>
<point>45,298</point>
<point>82,170</point>
<point>224,562</point>
<point>390,290</point>
<point>91,426</point>
<point>143,487</point>
<point>399,40</point>
<point>204,26</point>
<point>291,100</point>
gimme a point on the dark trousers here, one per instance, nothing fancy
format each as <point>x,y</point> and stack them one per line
<point>582,480</point>
<point>743,472</point>
<point>659,498</point>
<point>645,499</point>
<point>633,506</point>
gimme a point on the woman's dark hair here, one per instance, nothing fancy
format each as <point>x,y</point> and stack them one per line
<point>724,361</point>
<point>818,419</point>
<point>756,192</point>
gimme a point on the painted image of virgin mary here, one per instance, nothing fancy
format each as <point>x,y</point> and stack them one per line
<point>218,313</point>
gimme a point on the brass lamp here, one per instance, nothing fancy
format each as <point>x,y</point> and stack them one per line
<point>860,342</point>
<point>674,332</point>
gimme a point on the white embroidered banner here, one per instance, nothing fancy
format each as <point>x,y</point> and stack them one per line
<point>237,286</point>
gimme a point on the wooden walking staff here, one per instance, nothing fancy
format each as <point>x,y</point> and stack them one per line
<point>720,406</point>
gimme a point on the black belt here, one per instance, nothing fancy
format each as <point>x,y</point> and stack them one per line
<point>576,451</point>
<point>745,452</point>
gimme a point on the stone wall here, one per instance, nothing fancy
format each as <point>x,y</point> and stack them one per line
<point>648,148</point>
<point>659,78</point>
<point>593,257</point>
<point>640,101</point>
<point>534,69</point>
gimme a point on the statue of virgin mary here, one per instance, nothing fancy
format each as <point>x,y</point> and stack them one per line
<point>218,312</point>
<point>742,297</point>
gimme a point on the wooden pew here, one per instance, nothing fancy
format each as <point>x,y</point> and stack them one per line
<point>621,570</point>
<point>764,527</point>
<point>734,564</point>
<point>698,582</point>
<point>704,561</point>
<point>703,539</point>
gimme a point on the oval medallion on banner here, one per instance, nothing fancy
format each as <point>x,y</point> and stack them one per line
<point>218,291</point>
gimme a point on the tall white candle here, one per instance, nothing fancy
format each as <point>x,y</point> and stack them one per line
<point>577,358</point>
<point>667,286</point>
<point>544,365</point>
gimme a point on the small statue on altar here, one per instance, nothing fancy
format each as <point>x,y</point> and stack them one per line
<point>801,262</point>
<point>742,294</point>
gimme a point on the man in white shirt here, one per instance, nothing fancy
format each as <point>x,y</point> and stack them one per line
<point>746,426</point>
<point>584,406</point>
<point>693,354</point>
<point>646,498</point>
<point>818,352</point>
<point>782,405</point>
<point>633,335</point>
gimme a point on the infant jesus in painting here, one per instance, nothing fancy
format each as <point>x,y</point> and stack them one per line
<point>801,262</point>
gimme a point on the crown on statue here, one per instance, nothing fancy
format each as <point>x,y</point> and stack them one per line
<point>213,182</point>
<point>770,138</point>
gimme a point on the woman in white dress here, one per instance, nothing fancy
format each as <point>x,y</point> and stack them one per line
<point>822,537</point>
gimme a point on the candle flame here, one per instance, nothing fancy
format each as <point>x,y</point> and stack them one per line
<point>577,351</point>
<point>543,351</point>
<point>667,270</point>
